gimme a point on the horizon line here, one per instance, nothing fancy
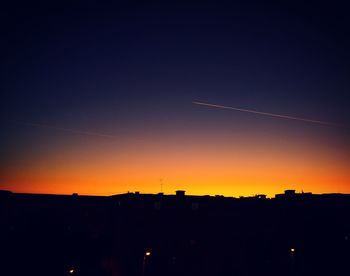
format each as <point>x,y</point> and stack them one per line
<point>4,191</point>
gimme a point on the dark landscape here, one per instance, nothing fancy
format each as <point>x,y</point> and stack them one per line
<point>146,234</point>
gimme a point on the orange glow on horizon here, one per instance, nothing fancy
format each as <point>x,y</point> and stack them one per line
<point>199,165</point>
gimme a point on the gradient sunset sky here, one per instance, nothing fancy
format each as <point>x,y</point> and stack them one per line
<point>98,98</point>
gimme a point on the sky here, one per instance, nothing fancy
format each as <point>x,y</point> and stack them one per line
<point>97,97</point>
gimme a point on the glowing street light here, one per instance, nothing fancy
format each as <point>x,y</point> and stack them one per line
<point>71,271</point>
<point>145,256</point>
<point>292,259</point>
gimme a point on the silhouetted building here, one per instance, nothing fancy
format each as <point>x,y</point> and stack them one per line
<point>180,193</point>
<point>292,195</point>
<point>292,234</point>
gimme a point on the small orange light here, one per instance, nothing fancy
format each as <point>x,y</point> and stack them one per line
<point>292,250</point>
<point>71,271</point>
<point>148,253</point>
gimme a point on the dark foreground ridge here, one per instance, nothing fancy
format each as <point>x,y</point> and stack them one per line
<point>145,234</point>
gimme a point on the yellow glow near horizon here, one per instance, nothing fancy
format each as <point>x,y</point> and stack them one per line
<point>198,165</point>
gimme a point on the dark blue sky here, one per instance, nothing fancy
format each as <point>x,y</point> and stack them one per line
<point>135,67</point>
<point>68,57</point>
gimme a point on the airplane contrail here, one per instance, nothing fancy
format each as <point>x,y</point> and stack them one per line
<point>89,133</point>
<point>267,114</point>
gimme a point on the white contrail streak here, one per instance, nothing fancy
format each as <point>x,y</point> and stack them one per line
<point>267,114</point>
<point>82,132</point>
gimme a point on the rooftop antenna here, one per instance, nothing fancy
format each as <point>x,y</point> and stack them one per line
<point>161,185</point>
